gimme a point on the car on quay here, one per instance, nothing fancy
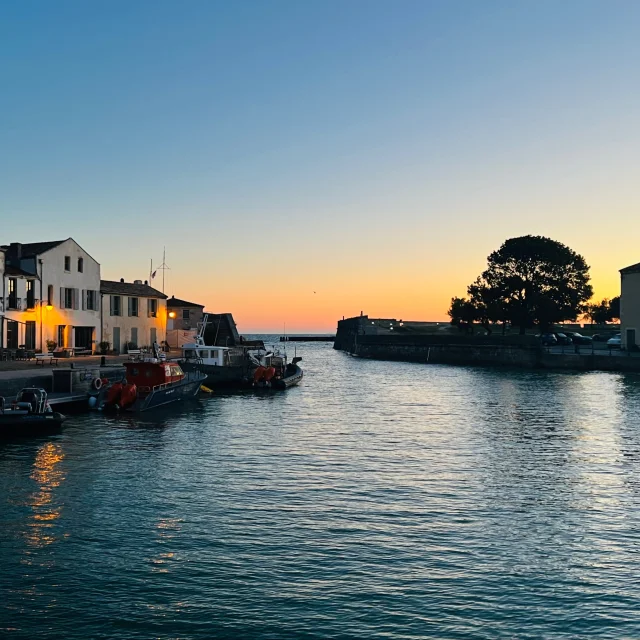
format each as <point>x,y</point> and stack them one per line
<point>615,342</point>
<point>578,338</point>
<point>548,339</point>
<point>563,338</point>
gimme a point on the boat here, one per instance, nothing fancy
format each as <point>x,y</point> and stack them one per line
<point>277,373</point>
<point>29,415</point>
<point>149,383</point>
<point>225,367</point>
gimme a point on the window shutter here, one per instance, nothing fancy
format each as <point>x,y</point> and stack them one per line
<point>129,306</point>
<point>62,297</point>
<point>111,306</point>
<point>84,299</point>
<point>97,302</point>
<point>148,307</point>
<point>76,295</point>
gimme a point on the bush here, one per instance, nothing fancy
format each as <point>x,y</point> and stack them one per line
<point>104,347</point>
<point>51,345</point>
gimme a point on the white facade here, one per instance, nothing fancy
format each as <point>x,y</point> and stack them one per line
<point>64,300</point>
<point>630,306</point>
<point>132,313</point>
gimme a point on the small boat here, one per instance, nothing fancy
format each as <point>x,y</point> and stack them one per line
<point>277,374</point>
<point>29,415</point>
<point>150,383</point>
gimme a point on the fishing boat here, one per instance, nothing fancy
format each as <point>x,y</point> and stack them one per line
<point>150,383</point>
<point>29,415</point>
<point>225,367</point>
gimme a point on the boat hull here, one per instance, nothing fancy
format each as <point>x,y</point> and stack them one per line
<point>293,375</point>
<point>27,426</point>
<point>187,388</point>
<point>230,377</point>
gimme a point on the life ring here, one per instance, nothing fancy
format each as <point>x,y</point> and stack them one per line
<point>97,384</point>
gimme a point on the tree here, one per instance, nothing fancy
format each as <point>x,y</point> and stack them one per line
<point>463,314</point>
<point>604,311</point>
<point>534,280</point>
<point>614,308</point>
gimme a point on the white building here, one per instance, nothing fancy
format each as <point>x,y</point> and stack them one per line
<point>630,306</point>
<point>132,313</point>
<point>51,293</point>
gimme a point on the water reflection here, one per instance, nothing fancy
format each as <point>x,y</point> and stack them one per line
<point>48,474</point>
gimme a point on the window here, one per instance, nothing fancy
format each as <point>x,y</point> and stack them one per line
<point>68,298</point>
<point>116,306</point>
<point>67,263</point>
<point>50,295</point>
<point>92,300</point>
<point>61,329</point>
<point>13,294</point>
<point>185,314</point>
<point>133,306</point>
<point>80,265</point>
<point>153,307</point>
<point>30,334</point>
<point>31,294</point>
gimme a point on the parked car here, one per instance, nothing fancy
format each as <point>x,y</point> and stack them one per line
<point>548,339</point>
<point>562,338</point>
<point>578,338</point>
<point>615,342</point>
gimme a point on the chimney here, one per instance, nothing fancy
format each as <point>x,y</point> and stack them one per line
<point>137,282</point>
<point>146,282</point>
<point>16,249</point>
<point>122,280</point>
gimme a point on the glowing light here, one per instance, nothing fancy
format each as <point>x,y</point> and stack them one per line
<point>49,307</point>
<point>172,314</point>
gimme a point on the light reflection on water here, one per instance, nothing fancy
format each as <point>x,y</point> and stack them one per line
<point>377,500</point>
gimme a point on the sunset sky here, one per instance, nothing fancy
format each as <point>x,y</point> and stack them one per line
<point>306,160</point>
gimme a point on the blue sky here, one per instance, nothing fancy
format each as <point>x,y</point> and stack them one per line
<point>390,146</point>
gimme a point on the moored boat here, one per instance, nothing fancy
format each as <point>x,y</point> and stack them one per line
<point>278,374</point>
<point>151,383</point>
<point>29,415</point>
<point>225,367</point>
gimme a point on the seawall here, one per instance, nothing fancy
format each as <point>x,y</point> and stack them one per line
<point>368,338</point>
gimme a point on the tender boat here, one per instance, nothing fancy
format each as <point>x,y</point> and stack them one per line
<point>150,383</point>
<point>29,415</point>
<point>276,373</point>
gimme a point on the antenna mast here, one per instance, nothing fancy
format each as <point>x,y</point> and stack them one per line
<point>163,266</point>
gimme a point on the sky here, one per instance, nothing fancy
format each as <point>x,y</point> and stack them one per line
<point>305,161</point>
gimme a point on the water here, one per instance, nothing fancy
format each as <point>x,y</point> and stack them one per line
<point>376,500</point>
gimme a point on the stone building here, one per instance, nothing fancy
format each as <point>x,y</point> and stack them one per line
<point>630,306</point>
<point>133,313</point>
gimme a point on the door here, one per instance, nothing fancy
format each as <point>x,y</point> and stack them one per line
<point>30,335</point>
<point>116,339</point>
<point>134,337</point>
<point>631,339</point>
<point>83,337</point>
<point>154,335</point>
<point>12,334</point>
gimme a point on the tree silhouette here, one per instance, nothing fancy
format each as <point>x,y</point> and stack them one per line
<point>533,280</point>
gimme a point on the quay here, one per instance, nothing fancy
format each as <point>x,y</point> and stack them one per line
<point>314,338</point>
<point>386,339</point>
<point>68,387</point>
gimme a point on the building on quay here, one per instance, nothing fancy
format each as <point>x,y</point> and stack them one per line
<point>50,294</point>
<point>630,306</point>
<point>133,313</point>
<point>184,321</point>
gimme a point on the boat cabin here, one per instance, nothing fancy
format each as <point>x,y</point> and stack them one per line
<point>213,356</point>
<point>153,373</point>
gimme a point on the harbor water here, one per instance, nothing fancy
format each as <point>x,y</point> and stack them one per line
<point>376,500</point>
